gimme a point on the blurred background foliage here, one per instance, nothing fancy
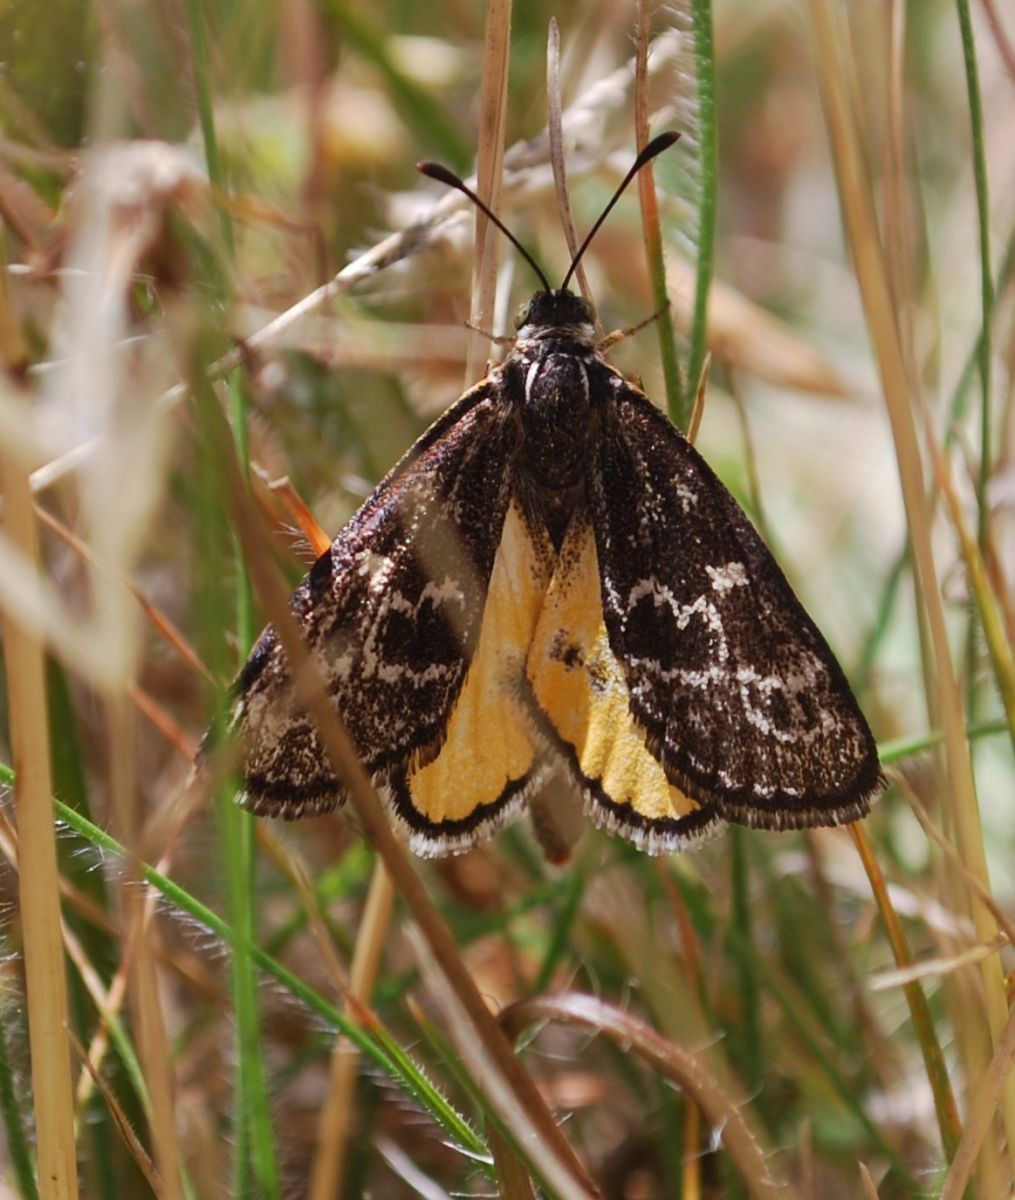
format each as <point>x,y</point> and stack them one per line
<point>764,954</point>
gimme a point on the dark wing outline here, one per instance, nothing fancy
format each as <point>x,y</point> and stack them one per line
<point>391,613</point>
<point>434,840</point>
<point>740,696</point>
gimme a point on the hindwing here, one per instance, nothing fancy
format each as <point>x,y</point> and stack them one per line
<point>490,756</point>
<point>581,691</point>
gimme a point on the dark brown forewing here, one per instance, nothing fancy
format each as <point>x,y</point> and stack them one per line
<point>391,613</point>
<point>741,698</point>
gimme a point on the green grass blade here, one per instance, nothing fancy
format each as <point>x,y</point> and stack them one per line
<point>400,1068</point>
<point>704,56</point>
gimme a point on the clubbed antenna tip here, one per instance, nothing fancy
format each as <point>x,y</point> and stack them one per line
<point>446,176</point>
<point>661,142</point>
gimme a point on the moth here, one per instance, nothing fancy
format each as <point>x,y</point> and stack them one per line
<point>553,578</point>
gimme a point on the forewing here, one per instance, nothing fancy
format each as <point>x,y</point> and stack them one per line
<point>740,698</point>
<point>391,614</point>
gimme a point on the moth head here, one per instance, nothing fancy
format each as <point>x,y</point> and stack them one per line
<point>555,308</point>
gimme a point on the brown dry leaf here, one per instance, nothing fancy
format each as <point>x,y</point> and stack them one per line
<point>746,336</point>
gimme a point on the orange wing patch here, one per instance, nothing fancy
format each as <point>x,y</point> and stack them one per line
<point>581,690</point>
<point>479,776</point>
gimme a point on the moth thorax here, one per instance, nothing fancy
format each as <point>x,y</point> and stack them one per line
<point>557,419</point>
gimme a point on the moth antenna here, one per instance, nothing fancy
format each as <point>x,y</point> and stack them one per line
<point>446,176</point>
<point>656,146</point>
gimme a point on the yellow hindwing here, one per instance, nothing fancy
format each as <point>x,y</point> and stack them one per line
<point>581,690</point>
<point>488,748</point>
